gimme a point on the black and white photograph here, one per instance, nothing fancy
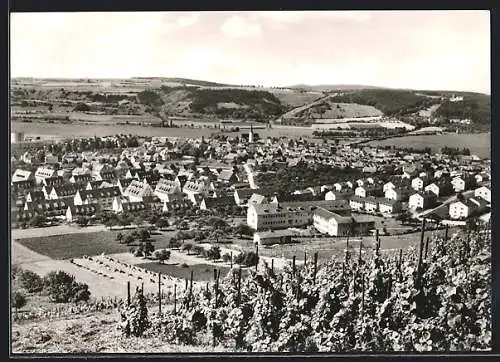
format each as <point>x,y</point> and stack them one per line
<point>229,182</point>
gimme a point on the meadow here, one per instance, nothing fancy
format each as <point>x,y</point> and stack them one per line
<point>478,143</point>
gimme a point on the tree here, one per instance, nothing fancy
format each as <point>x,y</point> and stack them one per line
<point>187,247</point>
<point>162,255</point>
<point>36,221</point>
<point>226,257</point>
<point>144,235</point>
<point>129,239</point>
<point>63,288</point>
<point>197,249</point>
<point>173,243</point>
<point>31,281</point>
<point>81,293</point>
<point>119,237</point>
<point>18,300</point>
<point>162,223</point>
<point>148,248</point>
<point>214,252</point>
<point>243,229</point>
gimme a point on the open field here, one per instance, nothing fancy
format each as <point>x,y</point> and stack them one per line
<point>72,130</point>
<point>75,245</point>
<point>478,143</point>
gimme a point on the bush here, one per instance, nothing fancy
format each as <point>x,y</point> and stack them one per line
<point>214,253</point>
<point>174,243</point>
<point>18,300</point>
<point>63,288</point>
<point>226,257</point>
<point>31,281</point>
<point>162,255</point>
<point>246,258</point>
<point>184,265</point>
<point>187,247</point>
<point>197,249</point>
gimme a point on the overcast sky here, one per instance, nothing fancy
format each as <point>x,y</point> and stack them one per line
<point>401,49</point>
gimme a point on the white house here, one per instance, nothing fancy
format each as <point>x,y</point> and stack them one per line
<point>388,207</point>
<point>483,192</point>
<point>371,204</point>
<point>136,191</point>
<point>43,172</point>
<point>387,186</point>
<point>357,203</point>
<point>422,200</point>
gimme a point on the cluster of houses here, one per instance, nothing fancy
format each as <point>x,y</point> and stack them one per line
<point>153,177</point>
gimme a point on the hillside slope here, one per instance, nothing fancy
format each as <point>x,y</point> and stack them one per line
<point>95,332</point>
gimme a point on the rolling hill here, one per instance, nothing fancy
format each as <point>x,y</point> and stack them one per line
<point>185,97</point>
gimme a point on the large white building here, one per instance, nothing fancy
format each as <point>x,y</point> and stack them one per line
<point>333,224</point>
<point>291,214</point>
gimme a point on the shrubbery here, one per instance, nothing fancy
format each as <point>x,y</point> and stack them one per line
<point>63,288</point>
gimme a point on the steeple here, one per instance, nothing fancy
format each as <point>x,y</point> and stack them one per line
<point>250,135</point>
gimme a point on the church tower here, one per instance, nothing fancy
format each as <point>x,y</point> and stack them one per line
<point>250,135</point>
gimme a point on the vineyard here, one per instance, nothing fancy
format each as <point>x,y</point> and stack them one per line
<point>434,298</point>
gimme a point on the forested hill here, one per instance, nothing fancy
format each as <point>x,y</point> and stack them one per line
<point>394,102</point>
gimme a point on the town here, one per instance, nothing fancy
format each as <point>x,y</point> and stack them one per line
<point>54,185</point>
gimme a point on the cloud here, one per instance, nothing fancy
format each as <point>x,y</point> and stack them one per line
<point>188,20</point>
<point>298,16</point>
<point>240,27</point>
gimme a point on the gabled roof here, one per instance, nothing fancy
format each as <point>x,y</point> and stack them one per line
<point>66,190</point>
<point>218,201</point>
<point>100,193</point>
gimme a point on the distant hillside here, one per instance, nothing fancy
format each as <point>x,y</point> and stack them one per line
<point>332,87</point>
<point>222,103</point>
<point>161,96</point>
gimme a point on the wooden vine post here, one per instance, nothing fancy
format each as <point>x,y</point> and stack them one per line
<point>362,295</point>
<point>231,260</point>
<point>377,243</point>
<point>239,286</point>
<point>159,293</point>
<point>175,298</point>
<point>305,258</point>
<point>128,293</point>
<point>257,256</point>
<point>191,287</point>
<point>426,248</point>
<point>421,248</point>
<point>446,232</point>
<point>293,265</point>
<point>315,266</point>
<point>272,265</point>
<point>360,251</point>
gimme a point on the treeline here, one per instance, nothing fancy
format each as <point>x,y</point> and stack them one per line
<point>455,151</point>
<point>390,101</point>
<point>370,132</point>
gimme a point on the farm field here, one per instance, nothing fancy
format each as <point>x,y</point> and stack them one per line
<point>478,143</point>
<point>201,272</point>
<point>75,245</point>
<point>72,130</point>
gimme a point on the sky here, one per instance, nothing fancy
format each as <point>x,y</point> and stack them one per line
<point>439,50</point>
